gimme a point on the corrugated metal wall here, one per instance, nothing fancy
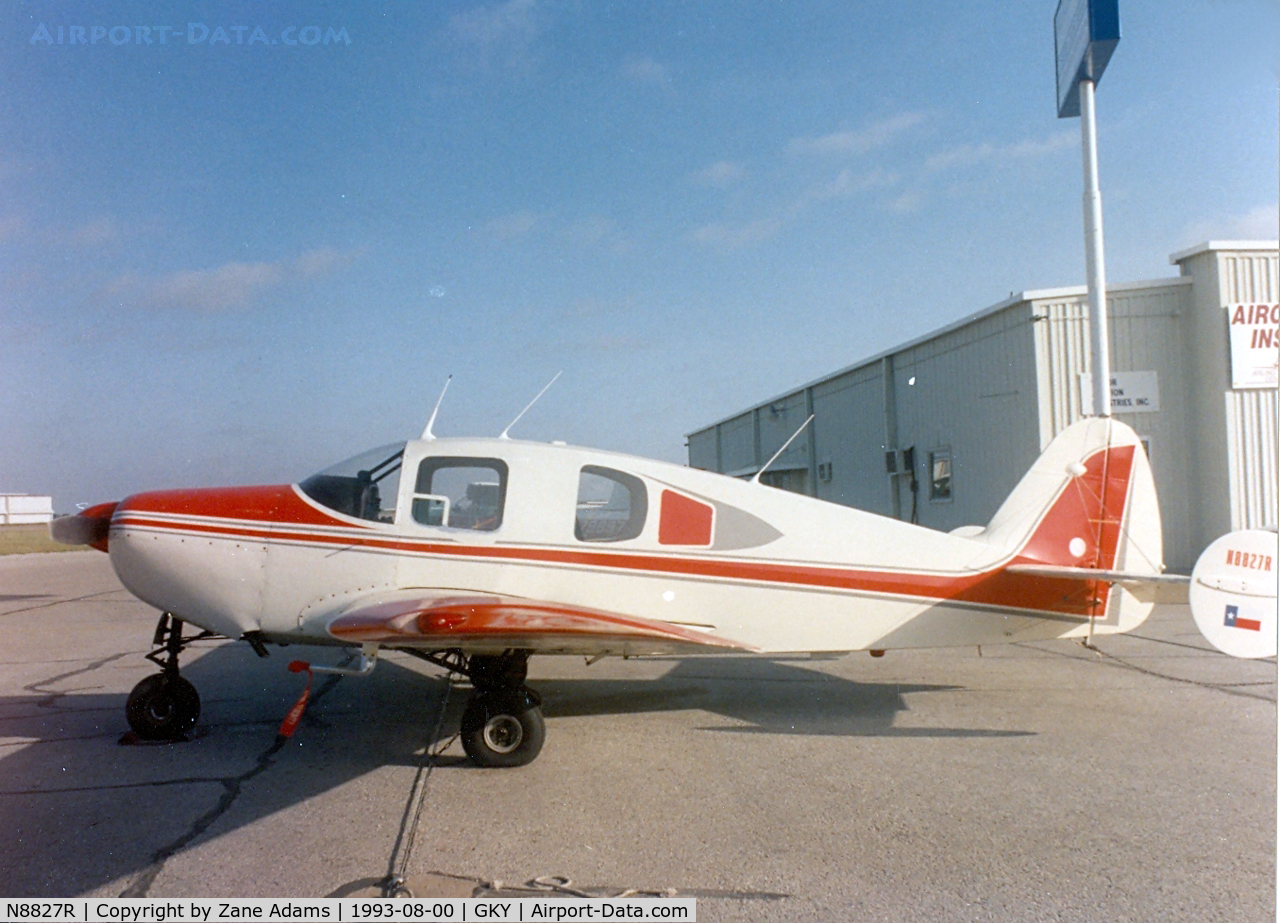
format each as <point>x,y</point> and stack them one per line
<point>849,435</point>
<point>737,443</point>
<point>1251,414</point>
<point>1251,450</point>
<point>1146,334</point>
<point>972,391</point>
<point>779,419</point>
<point>995,388</point>
<point>1062,351</point>
<point>702,450</point>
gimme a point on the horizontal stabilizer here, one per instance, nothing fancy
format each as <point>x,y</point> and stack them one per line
<point>487,623</point>
<point>1171,589</point>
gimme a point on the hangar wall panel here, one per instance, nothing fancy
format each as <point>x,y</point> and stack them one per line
<point>997,386</point>
<point>737,443</point>
<point>1251,450</point>
<point>849,436</point>
<point>1251,413</point>
<point>702,450</point>
<point>1147,335</point>
<point>1062,350</point>
<point>1248,277</point>
<point>974,395</point>
<point>779,419</point>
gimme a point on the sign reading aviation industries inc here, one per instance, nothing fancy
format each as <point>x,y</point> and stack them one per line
<point>1254,334</point>
<point>1131,392</point>
<point>1085,32</point>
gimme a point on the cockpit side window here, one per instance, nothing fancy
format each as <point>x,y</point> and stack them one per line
<point>360,486</point>
<point>611,505</point>
<point>460,493</point>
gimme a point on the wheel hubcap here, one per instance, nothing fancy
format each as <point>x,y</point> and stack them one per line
<point>502,733</point>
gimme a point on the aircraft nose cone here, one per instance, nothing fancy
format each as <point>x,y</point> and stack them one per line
<point>199,553</point>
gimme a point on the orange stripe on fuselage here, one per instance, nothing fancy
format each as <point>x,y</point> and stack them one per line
<point>1091,508</point>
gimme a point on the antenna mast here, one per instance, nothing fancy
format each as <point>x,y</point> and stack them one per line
<point>756,479</point>
<point>426,433</point>
<point>503,434</point>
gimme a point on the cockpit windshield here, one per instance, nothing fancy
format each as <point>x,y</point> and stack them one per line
<point>364,487</point>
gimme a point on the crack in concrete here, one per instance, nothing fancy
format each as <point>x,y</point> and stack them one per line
<point>70,599</point>
<point>232,787</point>
<point>51,696</point>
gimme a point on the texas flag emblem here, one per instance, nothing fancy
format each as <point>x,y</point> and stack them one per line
<point>1233,620</point>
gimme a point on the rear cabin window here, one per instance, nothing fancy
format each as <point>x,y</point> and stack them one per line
<point>460,493</point>
<point>611,505</point>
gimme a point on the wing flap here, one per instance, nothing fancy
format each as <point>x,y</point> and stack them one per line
<point>485,622</point>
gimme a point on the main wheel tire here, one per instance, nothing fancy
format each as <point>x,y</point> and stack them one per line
<point>502,730</point>
<point>163,707</point>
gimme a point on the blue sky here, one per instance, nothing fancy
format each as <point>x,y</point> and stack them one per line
<point>239,261</point>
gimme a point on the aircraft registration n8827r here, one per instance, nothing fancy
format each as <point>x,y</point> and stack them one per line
<point>475,554</point>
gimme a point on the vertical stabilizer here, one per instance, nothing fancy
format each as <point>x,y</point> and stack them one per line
<point>1088,502</point>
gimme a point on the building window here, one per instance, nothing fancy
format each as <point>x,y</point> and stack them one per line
<point>940,474</point>
<point>611,506</point>
<point>460,493</point>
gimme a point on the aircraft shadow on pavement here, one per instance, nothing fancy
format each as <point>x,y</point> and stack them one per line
<point>766,696</point>
<point>80,811</point>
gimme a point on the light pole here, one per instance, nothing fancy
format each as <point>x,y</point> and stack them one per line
<point>1085,32</point>
<point>1094,258</point>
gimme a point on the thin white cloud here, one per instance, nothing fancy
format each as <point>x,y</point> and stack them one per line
<point>95,233</point>
<point>507,227</point>
<point>858,141</point>
<point>847,183</point>
<point>503,33</point>
<point>907,202</point>
<point>969,155</point>
<point>647,71</point>
<point>735,235</point>
<point>597,230</point>
<point>1261,223</point>
<point>231,285</point>
<point>721,174</point>
<point>323,260</point>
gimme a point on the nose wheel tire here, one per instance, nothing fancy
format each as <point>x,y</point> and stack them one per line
<point>502,731</point>
<point>163,707</point>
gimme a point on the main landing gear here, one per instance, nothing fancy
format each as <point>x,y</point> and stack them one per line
<point>165,706</point>
<point>502,723</point>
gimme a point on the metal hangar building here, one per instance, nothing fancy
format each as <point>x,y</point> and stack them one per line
<point>940,429</point>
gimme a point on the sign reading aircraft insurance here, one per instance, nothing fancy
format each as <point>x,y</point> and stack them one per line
<point>1254,331</point>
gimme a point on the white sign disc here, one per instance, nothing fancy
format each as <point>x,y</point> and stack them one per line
<point>1233,593</point>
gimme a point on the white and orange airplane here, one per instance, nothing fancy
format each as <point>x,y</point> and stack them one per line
<point>475,554</point>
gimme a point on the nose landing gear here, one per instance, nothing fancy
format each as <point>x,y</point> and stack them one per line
<point>165,706</point>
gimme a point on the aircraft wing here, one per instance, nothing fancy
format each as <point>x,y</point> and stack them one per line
<point>437,619</point>
<point>1172,589</point>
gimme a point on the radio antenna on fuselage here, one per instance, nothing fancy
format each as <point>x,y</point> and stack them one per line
<point>756,479</point>
<point>426,433</point>
<point>503,434</point>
